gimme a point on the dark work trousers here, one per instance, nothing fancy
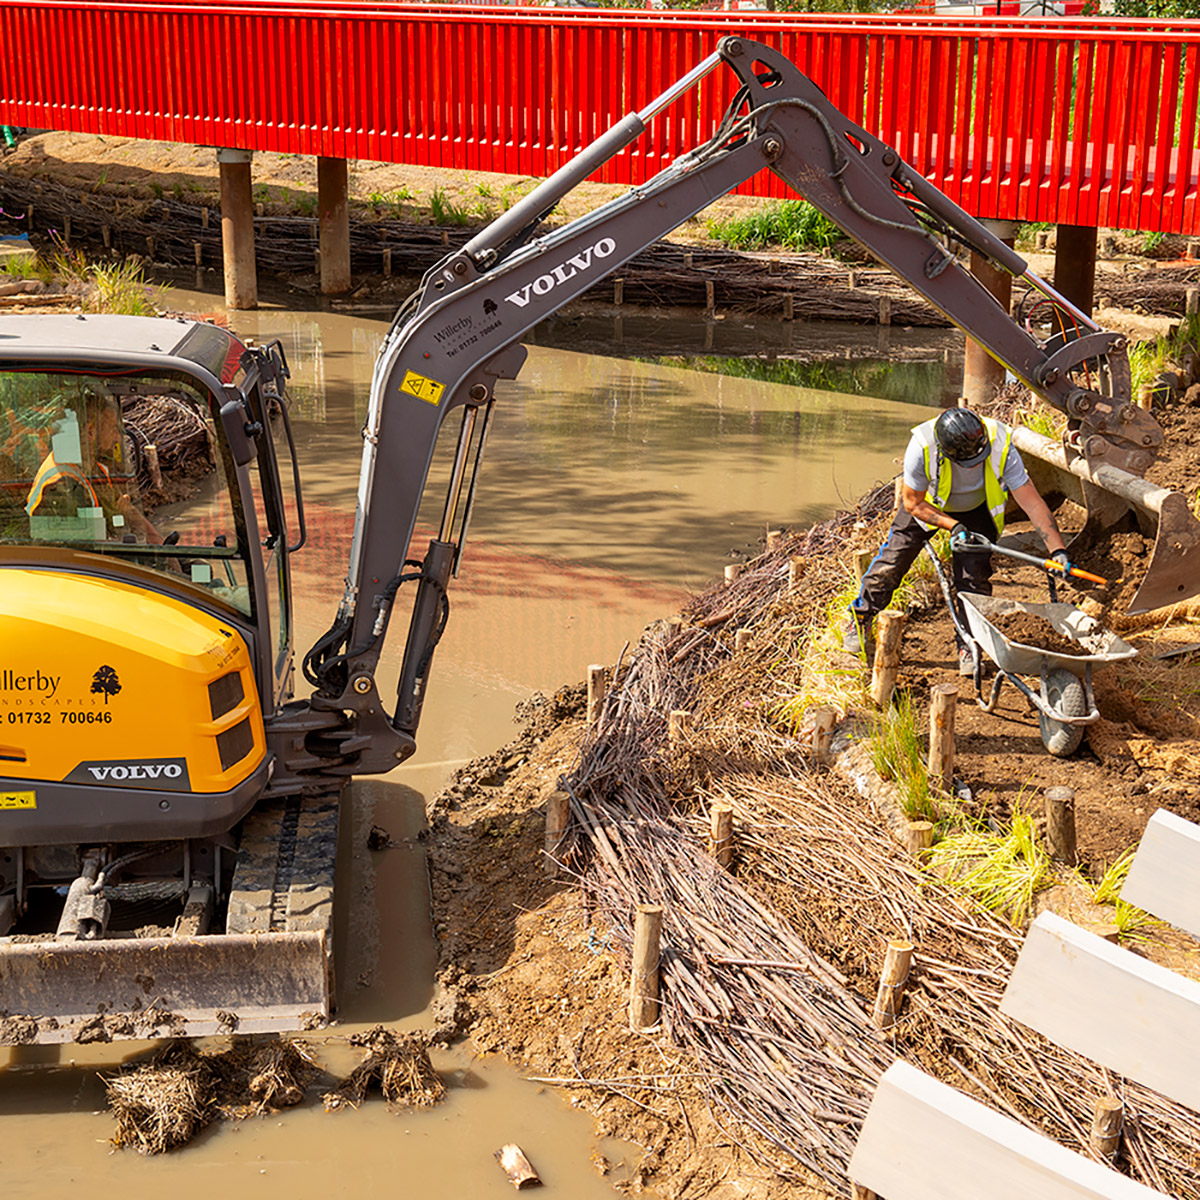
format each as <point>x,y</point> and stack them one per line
<point>972,572</point>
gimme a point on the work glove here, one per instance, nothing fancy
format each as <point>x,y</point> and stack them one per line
<point>961,538</point>
<point>1060,557</point>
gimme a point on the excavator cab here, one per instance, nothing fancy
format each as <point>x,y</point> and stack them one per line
<point>144,572</point>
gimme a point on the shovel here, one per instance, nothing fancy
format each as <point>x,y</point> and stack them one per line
<point>979,542</point>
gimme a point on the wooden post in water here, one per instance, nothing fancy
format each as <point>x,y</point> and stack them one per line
<point>720,837</point>
<point>595,692</point>
<point>1108,1119</point>
<point>1060,825</point>
<point>944,702</point>
<point>890,629</point>
<point>558,808</point>
<point>150,454</point>
<point>896,965</point>
<point>824,720</point>
<point>643,979</point>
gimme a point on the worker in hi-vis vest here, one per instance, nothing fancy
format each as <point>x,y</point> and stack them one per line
<point>959,471</point>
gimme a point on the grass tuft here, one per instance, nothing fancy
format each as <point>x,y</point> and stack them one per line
<point>1131,922</point>
<point>898,755</point>
<point>792,224</point>
<point>1001,871</point>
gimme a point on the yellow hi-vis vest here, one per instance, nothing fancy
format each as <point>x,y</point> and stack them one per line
<point>938,466</point>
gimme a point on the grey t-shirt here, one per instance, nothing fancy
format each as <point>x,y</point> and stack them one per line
<point>966,483</point>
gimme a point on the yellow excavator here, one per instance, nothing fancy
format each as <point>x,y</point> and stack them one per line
<point>153,748</point>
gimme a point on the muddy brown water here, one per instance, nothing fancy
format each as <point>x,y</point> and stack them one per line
<point>610,488</point>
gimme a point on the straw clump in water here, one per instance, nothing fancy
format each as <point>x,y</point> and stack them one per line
<point>397,1064</point>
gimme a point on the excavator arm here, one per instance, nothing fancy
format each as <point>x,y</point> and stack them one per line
<point>459,334</point>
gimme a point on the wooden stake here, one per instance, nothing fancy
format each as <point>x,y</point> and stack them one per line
<point>198,253</point>
<point>595,692</point>
<point>1060,825</point>
<point>851,280</point>
<point>889,630</point>
<point>558,808</point>
<point>862,560</point>
<point>204,218</point>
<point>710,295</point>
<point>258,210</point>
<point>720,838</point>
<point>445,237</point>
<point>885,310</point>
<point>944,698</point>
<point>773,266</point>
<point>643,980</point>
<point>29,215</point>
<point>732,571</point>
<point>774,538</point>
<point>795,573</point>
<point>789,307</point>
<point>150,453</point>
<point>896,964</point>
<point>688,259</point>
<point>67,229</point>
<point>517,1167</point>
<point>679,725</point>
<point>898,498</point>
<point>1192,301</point>
<point>106,236</point>
<point>741,640</point>
<point>918,837</point>
<point>1108,1119</point>
<point>387,260</point>
<point>824,720</point>
<point>618,292</point>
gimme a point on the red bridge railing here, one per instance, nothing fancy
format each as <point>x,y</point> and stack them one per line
<point>1083,122</point>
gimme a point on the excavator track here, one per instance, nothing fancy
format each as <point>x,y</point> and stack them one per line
<point>272,970</point>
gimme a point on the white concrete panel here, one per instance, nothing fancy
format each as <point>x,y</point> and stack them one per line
<point>924,1140</point>
<point>1165,876</point>
<point>1110,1005</point>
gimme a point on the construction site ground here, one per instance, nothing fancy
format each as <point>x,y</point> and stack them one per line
<point>535,974</point>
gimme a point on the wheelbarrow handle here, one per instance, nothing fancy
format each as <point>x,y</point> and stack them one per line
<point>979,542</point>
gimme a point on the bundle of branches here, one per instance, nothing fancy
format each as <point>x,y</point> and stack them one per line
<point>765,974</point>
<point>178,432</point>
<point>169,230</point>
<point>162,1104</point>
<point>396,1063</point>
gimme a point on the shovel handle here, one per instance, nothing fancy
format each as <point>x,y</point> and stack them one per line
<point>1080,573</point>
<point>979,542</point>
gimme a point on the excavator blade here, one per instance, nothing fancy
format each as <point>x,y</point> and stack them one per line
<point>1110,496</point>
<point>121,988</point>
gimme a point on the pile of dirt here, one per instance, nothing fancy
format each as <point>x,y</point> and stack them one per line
<point>1029,629</point>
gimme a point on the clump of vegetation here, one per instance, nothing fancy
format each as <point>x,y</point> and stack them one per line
<point>898,755</point>
<point>1148,359</point>
<point>445,211</point>
<point>1002,871</point>
<point>792,224</point>
<point>1131,922</point>
<point>118,287</point>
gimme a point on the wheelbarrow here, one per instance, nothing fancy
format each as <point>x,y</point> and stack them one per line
<point>1065,701</point>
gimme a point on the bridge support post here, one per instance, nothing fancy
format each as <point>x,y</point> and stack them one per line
<point>982,374</point>
<point>237,229</point>
<point>334,213</point>
<point>1075,264</point>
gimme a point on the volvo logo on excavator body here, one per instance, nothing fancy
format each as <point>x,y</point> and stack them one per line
<point>158,774</point>
<point>544,284</point>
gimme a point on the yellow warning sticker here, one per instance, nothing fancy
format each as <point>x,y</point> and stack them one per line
<point>18,800</point>
<point>422,387</point>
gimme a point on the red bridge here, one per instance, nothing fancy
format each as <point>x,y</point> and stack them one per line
<point>1083,121</point>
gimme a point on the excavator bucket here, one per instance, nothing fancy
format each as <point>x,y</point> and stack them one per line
<point>1111,497</point>
<point>121,988</point>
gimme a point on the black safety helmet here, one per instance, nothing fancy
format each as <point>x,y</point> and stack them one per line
<point>961,435</point>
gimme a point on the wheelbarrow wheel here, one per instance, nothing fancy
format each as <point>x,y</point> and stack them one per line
<point>1064,693</point>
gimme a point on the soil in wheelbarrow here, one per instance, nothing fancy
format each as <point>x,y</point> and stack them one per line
<point>1028,629</point>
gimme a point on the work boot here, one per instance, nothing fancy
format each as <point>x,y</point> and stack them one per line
<point>854,633</point>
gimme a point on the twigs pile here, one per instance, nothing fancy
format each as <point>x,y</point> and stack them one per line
<point>768,973</point>
<point>162,1104</point>
<point>397,1064</point>
<point>178,431</point>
